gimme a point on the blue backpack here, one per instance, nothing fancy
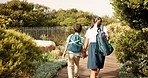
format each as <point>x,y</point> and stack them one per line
<point>74,44</point>
<point>103,45</point>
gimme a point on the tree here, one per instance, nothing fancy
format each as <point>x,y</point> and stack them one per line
<point>68,22</point>
<point>72,16</point>
<point>131,43</point>
<point>25,14</point>
<point>83,21</point>
<point>133,12</point>
<point>5,22</point>
<point>108,20</point>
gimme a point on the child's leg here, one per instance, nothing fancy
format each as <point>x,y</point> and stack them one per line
<point>76,68</point>
<point>93,73</point>
<point>98,70</point>
<point>70,67</point>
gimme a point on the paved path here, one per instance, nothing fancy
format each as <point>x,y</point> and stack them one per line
<point>110,69</point>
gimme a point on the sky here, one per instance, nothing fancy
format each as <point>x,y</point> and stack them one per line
<point>97,7</point>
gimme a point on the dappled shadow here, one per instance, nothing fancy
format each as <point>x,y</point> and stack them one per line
<point>110,69</point>
<point>110,74</point>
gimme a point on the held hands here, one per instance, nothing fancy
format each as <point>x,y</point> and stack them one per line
<point>83,52</point>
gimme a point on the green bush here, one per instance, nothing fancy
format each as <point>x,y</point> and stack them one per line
<point>49,56</point>
<point>49,69</point>
<point>4,21</point>
<point>131,48</point>
<point>17,51</point>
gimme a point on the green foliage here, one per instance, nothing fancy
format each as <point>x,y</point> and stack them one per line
<point>83,21</point>
<point>71,17</point>
<point>5,21</point>
<point>49,56</point>
<point>27,14</point>
<point>132,12</point>
<point>108,20</point>
<point>17,51</point>
<point>131,48</point>
<point>134,48</point>
<point>124,74</point>
<point>68,22</point>
<point>44,37</point>
<point>48,69</point>
<point>69,30</point>
<point>57,40</point>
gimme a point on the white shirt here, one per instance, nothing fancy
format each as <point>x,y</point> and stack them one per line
<point>91,33</point>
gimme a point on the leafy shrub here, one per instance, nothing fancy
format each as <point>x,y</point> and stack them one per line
<point>58,41</point>
<point>69,30</point>
<point>49,56</point>
<point>17,51</point>
<point>48,69</point>
<point>124,74</point>
<point>108,20</point>
<point>131,48</point>
<point>5,21</point>
<point>44,37</point>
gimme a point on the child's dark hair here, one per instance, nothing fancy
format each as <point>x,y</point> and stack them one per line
<point>92,23</point>
<point>99,24</point>
<point>94,20</point>
<point>77,28</point>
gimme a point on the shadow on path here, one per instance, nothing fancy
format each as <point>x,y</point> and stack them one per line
<point>110,69</point>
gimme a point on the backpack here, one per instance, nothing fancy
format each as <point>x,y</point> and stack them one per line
<point>103,45</point>
<point>74,44</point>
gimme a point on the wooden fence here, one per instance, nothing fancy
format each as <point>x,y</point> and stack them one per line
<point>40,32</point>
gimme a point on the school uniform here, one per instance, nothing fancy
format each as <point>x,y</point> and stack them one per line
<point>94,60</point>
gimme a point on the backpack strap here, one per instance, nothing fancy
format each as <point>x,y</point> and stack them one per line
<point>100,45</point>
<point>100,28</point>
<point>71,41</point>
<point>70,37</point>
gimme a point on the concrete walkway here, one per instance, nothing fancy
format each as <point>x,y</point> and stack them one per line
<point>110,69</point>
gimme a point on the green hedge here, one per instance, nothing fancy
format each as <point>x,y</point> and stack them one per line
<point>17,51</point>
<point>49,57</point>
<point>49,69</point>
<point>131,48</point>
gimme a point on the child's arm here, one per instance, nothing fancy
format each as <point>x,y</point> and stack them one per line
<point>85,47</point>
<point>83,52</point>
<point>86,43</point>
<point>106,32</point>
<point>65,50</point>
<point>107,35</point>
